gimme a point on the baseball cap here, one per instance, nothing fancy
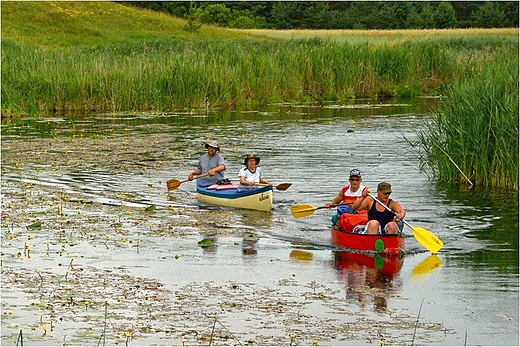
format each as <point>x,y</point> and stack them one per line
<point>384,187</point>
<point>355,172</point>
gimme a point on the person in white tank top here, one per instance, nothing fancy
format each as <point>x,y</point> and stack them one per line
<point>349,194</point>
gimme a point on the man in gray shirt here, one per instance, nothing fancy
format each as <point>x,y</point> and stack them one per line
<point>212,164</point>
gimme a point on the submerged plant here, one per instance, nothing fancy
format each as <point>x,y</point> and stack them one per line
<point>291,343</point>
<point>417,322</point>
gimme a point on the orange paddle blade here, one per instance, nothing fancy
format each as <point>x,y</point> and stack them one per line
<point>174,184</point>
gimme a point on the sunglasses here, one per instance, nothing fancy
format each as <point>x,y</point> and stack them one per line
<point>387,193</point>
<point>355,179</point>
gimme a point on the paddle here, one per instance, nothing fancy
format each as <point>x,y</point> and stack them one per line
<point>174,184</point>
<point>304,210</point>
<point>281,186</point>
<point>427,239</point>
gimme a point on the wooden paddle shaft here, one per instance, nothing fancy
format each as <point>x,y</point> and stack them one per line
<point>281,186</point>
<point>174,184</point>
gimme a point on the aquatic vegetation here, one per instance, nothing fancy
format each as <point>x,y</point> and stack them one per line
<point>109,306</point>
<point>473,137</point>
<point>205,243</point>
<point>90,295</point>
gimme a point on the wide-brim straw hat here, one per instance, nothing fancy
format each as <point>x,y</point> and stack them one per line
<point>251,156</point>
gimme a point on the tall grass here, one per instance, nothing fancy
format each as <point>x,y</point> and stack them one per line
<point>171,74</point>
<point>474,136</point>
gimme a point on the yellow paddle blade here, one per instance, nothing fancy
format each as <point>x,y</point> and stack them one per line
<point>299,255</point>
<point>427,265</point>
<point>427,239</point>
<point>304,210</point>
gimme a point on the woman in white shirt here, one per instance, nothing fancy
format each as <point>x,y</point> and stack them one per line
<point>251,174</point>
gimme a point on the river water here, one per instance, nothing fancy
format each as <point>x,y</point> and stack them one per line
<point>465,295</point>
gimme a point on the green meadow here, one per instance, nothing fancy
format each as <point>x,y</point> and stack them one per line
<point>63,57</point>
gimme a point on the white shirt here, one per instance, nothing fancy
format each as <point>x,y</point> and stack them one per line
<point>249,176</point>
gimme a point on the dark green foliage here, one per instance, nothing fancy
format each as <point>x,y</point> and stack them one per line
<point>489,15</point>
<point>346,15</point>
<point>216,14</point>
<point>444,16</point>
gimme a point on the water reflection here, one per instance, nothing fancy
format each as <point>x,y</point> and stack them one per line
<point>74,124</point>
<point>312,148</point>
<point>299,255</point>
<point>426,266</point>
<point>490,219</point>
<point>255,219</point>
<point>369,277</point>
<point>249,245</point>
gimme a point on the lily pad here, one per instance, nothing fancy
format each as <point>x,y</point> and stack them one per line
<point>150,208</point>
<point>205,243</point>
<point>251,237</point>
<point>34,225</point>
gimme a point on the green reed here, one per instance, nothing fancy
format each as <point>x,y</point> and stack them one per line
<point>474,135</point>
<point>169,74</point>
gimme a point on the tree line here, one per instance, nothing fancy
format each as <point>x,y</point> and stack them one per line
<point>341,14</point>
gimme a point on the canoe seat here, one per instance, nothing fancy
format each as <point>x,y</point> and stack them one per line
<point>222,187</point>
<point>226,186</point>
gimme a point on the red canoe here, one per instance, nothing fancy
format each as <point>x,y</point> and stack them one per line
<point>343,236</point>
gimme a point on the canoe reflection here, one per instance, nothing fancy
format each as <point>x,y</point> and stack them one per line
<point>369,277</point>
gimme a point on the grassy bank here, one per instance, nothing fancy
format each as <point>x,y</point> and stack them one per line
<point>68,24</point>
<point>167,74</point>
<point>63,57</point>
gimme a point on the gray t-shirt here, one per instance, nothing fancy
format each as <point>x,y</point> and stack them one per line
<point>207,163</point>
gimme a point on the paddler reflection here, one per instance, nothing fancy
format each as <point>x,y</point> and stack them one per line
<point>369,277</point>
<point>249,244</point>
